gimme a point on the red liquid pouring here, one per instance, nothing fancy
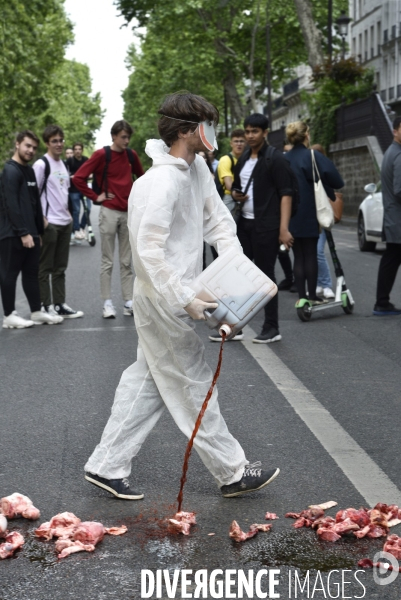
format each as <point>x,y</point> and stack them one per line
<point>197,425</point>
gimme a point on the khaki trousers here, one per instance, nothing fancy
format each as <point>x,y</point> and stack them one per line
<point>112,223</point>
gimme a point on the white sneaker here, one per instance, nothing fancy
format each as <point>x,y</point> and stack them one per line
<point>77,237</point>
<point>40,317</point>
<point>109,312</point>
<point>128,310</point>
<point>319,290</point>
<point>14,321</point>
<point>328,293</point>
<point>50,310</point>
<point>83,234</point>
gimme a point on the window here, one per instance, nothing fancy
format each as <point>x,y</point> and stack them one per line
<point>378,37</point>
<point>390,93</point>
<point>385,36</point>
<point>393,31</point>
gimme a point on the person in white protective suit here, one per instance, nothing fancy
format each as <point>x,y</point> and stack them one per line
<point>172,209</point>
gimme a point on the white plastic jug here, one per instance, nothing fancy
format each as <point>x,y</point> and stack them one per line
<point>240,288</point>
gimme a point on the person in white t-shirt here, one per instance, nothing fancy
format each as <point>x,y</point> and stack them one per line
<point>53,183</point>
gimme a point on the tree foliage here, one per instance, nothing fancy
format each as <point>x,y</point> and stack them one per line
<point>216,48</point>
<point>342,80</point>
<point>36,83</point>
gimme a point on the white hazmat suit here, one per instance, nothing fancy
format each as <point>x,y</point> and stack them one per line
<point>171,210</point>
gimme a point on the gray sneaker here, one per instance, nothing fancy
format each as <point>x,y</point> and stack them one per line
<point>118,487</point>
<point>254,478</point>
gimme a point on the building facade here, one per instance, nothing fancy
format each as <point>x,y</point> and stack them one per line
<point>375,40</point>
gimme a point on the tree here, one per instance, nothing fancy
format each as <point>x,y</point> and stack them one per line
<point>37,85</point>
<point>70,103</point>
<point>216,48</point>
<point>310,32</point>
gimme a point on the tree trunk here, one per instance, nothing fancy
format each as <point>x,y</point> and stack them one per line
<point>311,34</point>
<point>233,98</point>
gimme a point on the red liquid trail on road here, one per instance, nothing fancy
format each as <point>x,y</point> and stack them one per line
<point>197,425</point>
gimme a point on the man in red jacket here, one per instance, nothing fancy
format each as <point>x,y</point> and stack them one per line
<point>112,168</point>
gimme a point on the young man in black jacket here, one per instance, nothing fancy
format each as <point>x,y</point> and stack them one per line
<point>21,224</point>
<point>266,210</point>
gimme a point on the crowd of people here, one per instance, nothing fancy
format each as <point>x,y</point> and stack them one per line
<point>40,216</point>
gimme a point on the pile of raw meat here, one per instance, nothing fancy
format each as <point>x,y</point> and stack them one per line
<point>73,534</point>
<point>392,545</point>
<point>12,507</point>
<point>372,523</point>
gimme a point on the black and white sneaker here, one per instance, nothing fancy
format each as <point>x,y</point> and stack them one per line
<point>118,487</point>
<point>267,336</point>
<point>67,312</point>
<point>216,337</point>
<point>254,478</point>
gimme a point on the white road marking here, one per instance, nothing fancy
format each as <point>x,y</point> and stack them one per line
<point>367,477</point>
<point>78,329</point>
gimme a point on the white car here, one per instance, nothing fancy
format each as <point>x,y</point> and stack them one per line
<point>370,218</point>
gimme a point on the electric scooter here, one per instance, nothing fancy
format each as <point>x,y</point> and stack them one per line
<point>305,307</point>
<point>91,235</point>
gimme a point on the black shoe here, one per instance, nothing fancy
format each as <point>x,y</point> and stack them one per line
<point>253,479</point>
<point>216,337</point>
<point>119,487</point>
<point>386,311</point>
<point>267,336</point>
<point>293,288</point>
<point>67,312</point>
<point>316,301</point>
<point>285,284</point>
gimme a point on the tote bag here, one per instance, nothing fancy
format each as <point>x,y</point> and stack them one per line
<point>324,212</point>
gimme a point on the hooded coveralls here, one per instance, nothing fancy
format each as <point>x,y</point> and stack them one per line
<point>171,210</point>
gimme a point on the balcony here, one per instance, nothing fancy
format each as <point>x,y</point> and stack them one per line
<point>291,88</point>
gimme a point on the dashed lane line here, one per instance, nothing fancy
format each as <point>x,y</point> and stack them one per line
<point>366,476</point>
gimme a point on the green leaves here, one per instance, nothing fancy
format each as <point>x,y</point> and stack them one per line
<point>37,85</point>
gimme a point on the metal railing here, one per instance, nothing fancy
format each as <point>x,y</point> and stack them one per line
<point>362,118</point>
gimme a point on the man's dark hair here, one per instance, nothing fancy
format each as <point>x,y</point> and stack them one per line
<point>179,108</point>
<point>121,125</point>
<point>257,120</point>
<point>237,133</point>
<point>78,144</point>
<point>27,133</point>
<point>396,123</point>
<point>50,131</point>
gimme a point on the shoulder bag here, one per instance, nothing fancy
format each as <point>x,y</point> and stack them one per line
<point>324,211</point>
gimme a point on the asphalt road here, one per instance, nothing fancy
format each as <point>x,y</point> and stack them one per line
<point>57,386</point>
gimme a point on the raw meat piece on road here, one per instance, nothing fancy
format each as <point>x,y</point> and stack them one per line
<point>345,526</point>
<point>66,547</point>
<point>327,534</point>
<point>14,540</point>
<point>261,526</point>
<point>392,545</point>
<point>3,526</point>
<point>325,505</point>
<point>270,516</point>
<point>185,517</point>
<point>92,532</point>
<point>175,526</point>
<point>18,505</point>
<point>238,535</point>
<point>62,525</point>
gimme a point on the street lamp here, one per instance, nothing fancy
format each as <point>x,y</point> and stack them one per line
<point>342,22</point>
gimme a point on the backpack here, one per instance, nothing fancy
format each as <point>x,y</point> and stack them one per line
<point>98,187</point>
<point>47,175</point>
<point>219,186</point>
<point>294,181</point>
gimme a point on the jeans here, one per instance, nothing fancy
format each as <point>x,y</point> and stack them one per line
<point>323,274</point>
<point>75,198</point>
<point>88,204</point>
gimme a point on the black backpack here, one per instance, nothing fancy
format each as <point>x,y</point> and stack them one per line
<point>294,181</point>
<point>98,187</point>
<point>219,186</point>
